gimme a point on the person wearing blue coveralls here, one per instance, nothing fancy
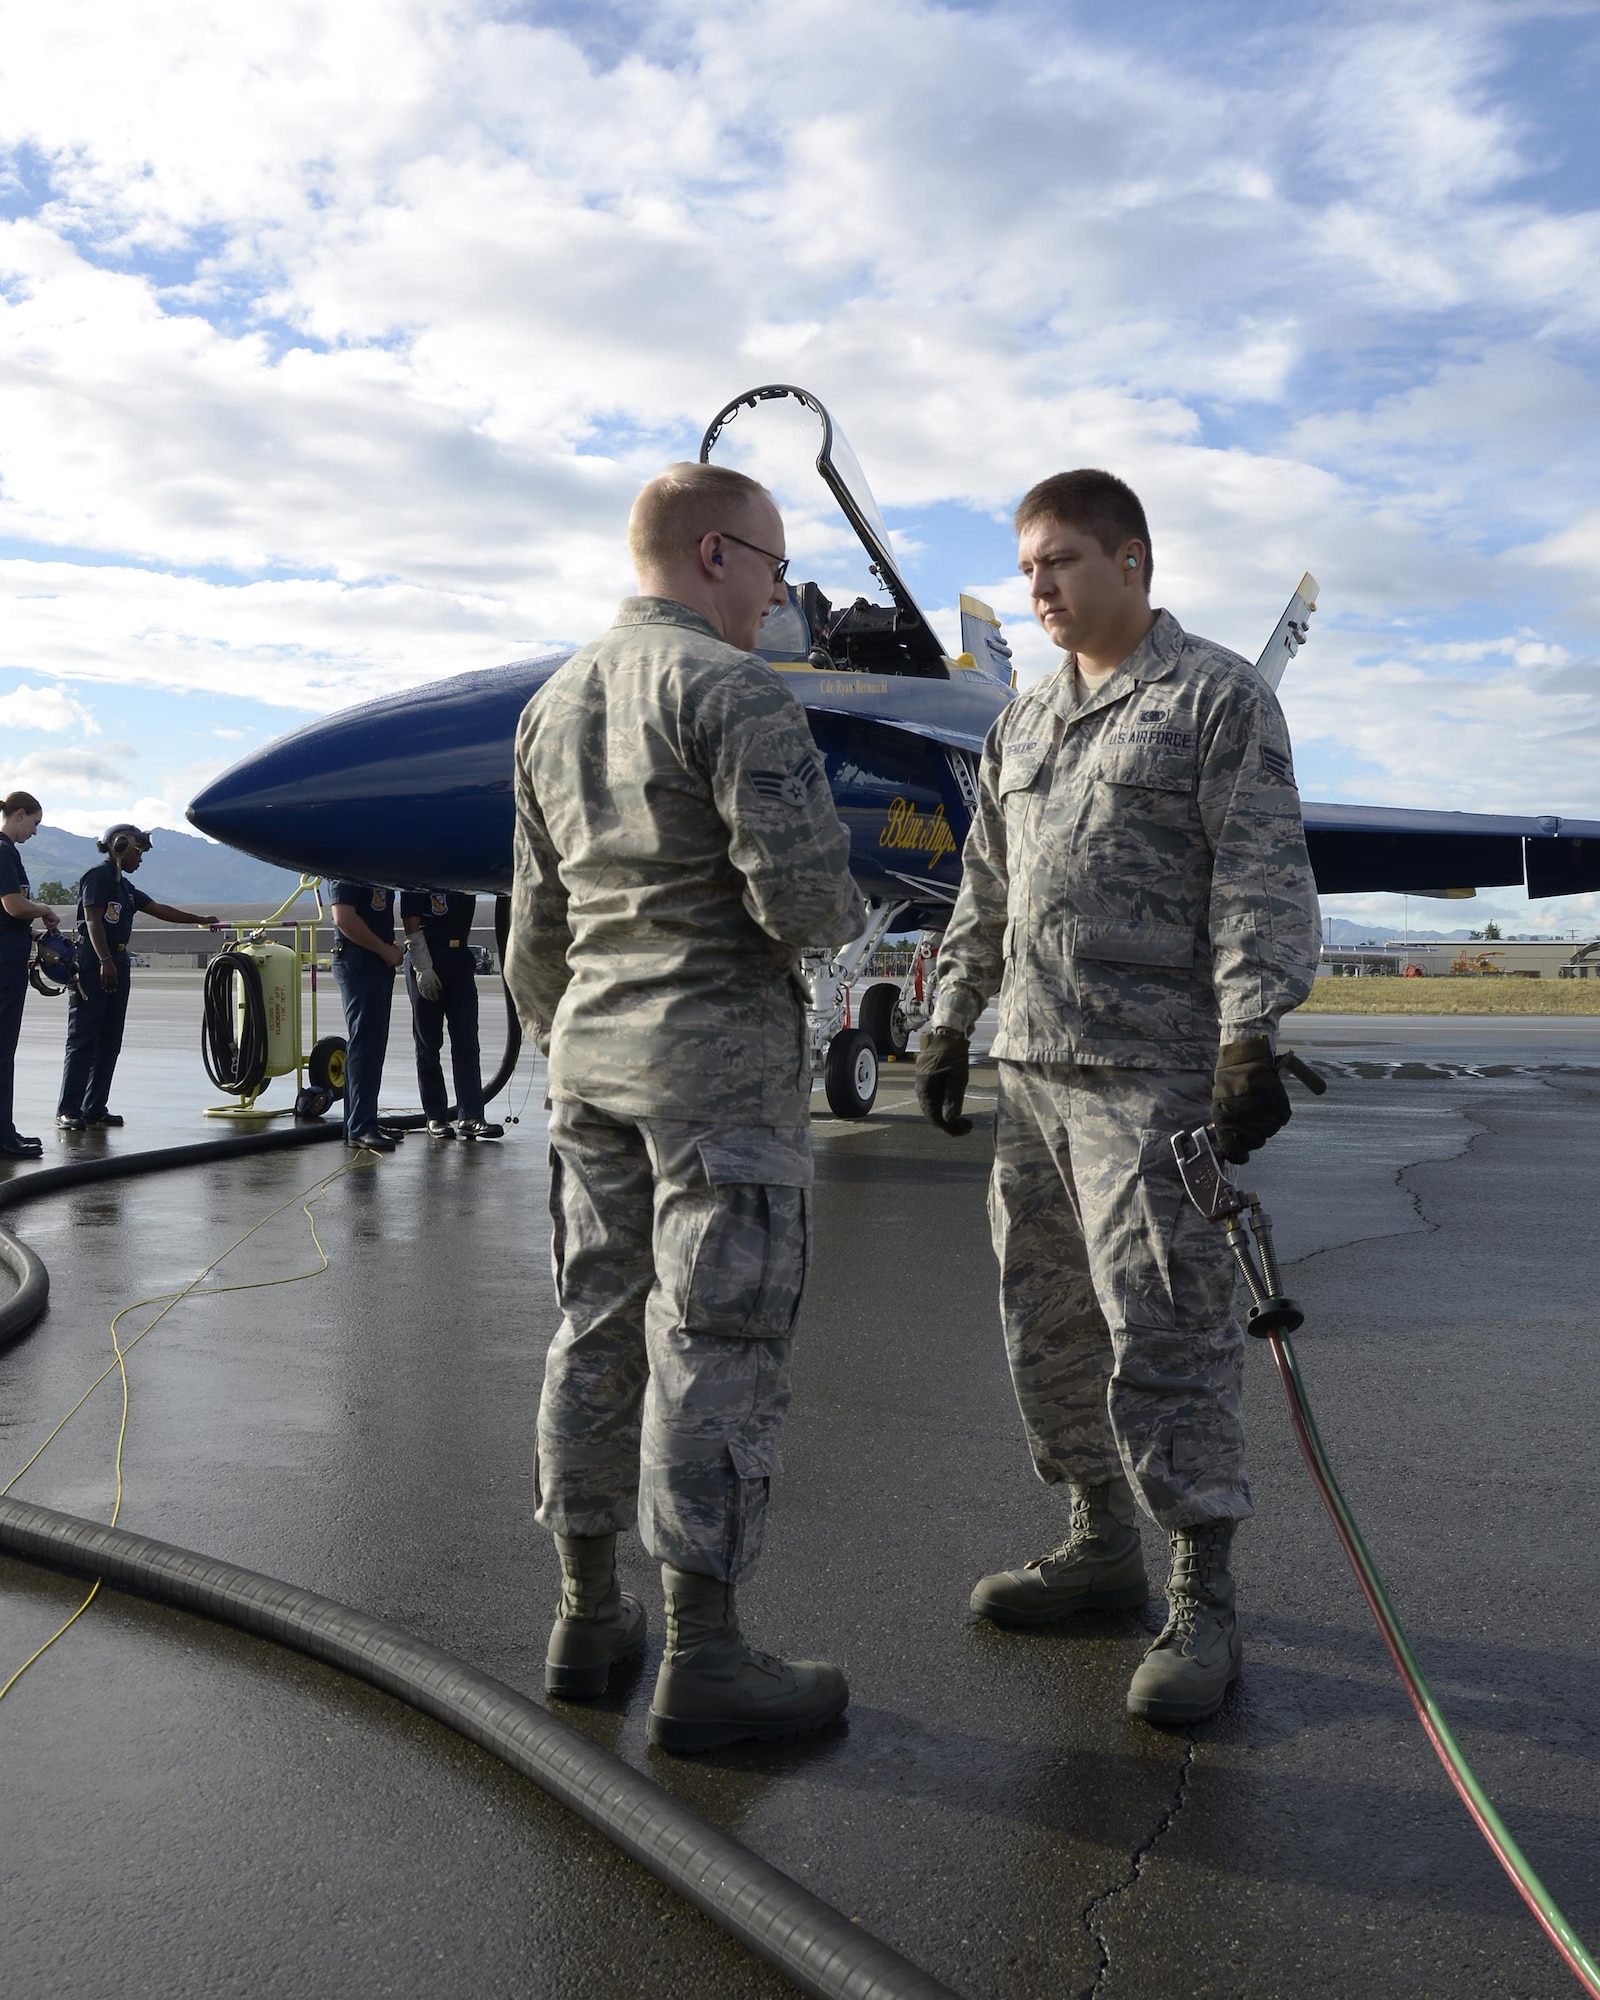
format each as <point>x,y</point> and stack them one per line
<point>97,1006</point>
<point>443,983</point>
<point>20,814</point>
<point>364,962</point>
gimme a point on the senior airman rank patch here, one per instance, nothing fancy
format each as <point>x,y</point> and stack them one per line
<point>1277,766</point>
<point>792,787</point>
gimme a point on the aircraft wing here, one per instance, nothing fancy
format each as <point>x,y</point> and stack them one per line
<point>1421,853</point>
<point>1403,850</point>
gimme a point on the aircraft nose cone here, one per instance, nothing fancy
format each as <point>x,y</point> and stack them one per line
<point>413,791</point>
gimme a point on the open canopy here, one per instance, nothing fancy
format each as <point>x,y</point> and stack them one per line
<point>855,611</point>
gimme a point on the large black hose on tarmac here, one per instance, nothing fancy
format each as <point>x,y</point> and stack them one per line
<point>814,1945</point>
<point>33,1287</point>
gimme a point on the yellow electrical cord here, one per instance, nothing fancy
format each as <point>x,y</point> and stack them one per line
<point>167,1300</point>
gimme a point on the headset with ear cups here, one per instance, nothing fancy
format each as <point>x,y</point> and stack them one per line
<point>116,840</point>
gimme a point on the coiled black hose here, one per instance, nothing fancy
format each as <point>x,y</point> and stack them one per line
<point>811,1943</point>
<point>233,1040</point>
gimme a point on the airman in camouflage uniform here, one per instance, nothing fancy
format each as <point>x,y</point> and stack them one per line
<point>676,850</point>
<point>1137,890</point>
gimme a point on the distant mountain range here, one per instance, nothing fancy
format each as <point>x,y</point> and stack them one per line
<point>180,868</point>
<point>1346,930</point>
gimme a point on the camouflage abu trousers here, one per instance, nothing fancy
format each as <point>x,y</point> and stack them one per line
<point>1115,1292</point>
<point>680,1254</point>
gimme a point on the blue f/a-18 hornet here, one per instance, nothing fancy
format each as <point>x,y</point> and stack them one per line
<point>416,789</point>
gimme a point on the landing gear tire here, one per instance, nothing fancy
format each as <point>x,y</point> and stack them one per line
<point>850,1074</point>
<point>883,1018</point>
<point>325,1066</point>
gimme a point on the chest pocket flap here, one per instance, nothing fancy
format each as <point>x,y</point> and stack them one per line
<point>1123,943</point>
<point>1154,767</point>
<point>1019,765</point>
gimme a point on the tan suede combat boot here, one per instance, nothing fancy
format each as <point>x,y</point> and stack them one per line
<point>598,1625</point>
<point>1188,1670</point>
<point>1099,1567</point>
<point>714,1689</point>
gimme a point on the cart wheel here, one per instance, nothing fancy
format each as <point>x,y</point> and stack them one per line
<point>883,1018</point>
<point>850,1074</point>
<point>325,1065</point>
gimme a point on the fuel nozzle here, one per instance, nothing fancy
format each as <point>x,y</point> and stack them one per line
<point>1219,1198</point>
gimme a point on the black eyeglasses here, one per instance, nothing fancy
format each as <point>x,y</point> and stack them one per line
<point>782,561</point>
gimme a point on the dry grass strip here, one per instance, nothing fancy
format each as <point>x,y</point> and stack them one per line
<point>1503,995</point>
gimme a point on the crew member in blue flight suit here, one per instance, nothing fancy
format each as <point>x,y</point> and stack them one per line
<point>443,983</point>
<point>98,1003</point>
<point>364,962</point>
<point>20,814</point>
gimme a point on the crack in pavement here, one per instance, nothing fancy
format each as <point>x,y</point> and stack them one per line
<point>1090,1915</point>
<point>1474,1113</point>
<point>1468,1113</point>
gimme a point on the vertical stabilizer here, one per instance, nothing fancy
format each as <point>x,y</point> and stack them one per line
<point>980,636</point>
<point>1294,628</point>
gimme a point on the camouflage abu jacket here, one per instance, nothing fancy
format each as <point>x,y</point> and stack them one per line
<point>1135,884</point>
<point>676,849</point>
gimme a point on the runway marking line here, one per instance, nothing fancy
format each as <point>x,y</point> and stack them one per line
<point>119,1365</point>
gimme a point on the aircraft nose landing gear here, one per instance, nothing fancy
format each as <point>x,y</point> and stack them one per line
<point>850,1074</point>
<point>845,1052</point>
<point>884,1019</point>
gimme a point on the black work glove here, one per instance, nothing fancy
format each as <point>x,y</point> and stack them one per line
<point>942,1080</point>
<point>1248,1100</point>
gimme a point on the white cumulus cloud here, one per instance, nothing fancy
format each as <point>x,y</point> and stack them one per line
<point>45,708</point>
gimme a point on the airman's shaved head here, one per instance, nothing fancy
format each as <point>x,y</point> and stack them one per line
<point>681,505</point>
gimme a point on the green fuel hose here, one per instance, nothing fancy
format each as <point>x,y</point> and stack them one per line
<point>1457,1769</point>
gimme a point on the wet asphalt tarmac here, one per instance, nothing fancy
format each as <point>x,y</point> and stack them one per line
<point>185,1811</point>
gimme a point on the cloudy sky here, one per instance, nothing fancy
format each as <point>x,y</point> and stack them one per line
<point>334,342</point>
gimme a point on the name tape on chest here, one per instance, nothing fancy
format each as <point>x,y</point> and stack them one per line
<point>792,788</point>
